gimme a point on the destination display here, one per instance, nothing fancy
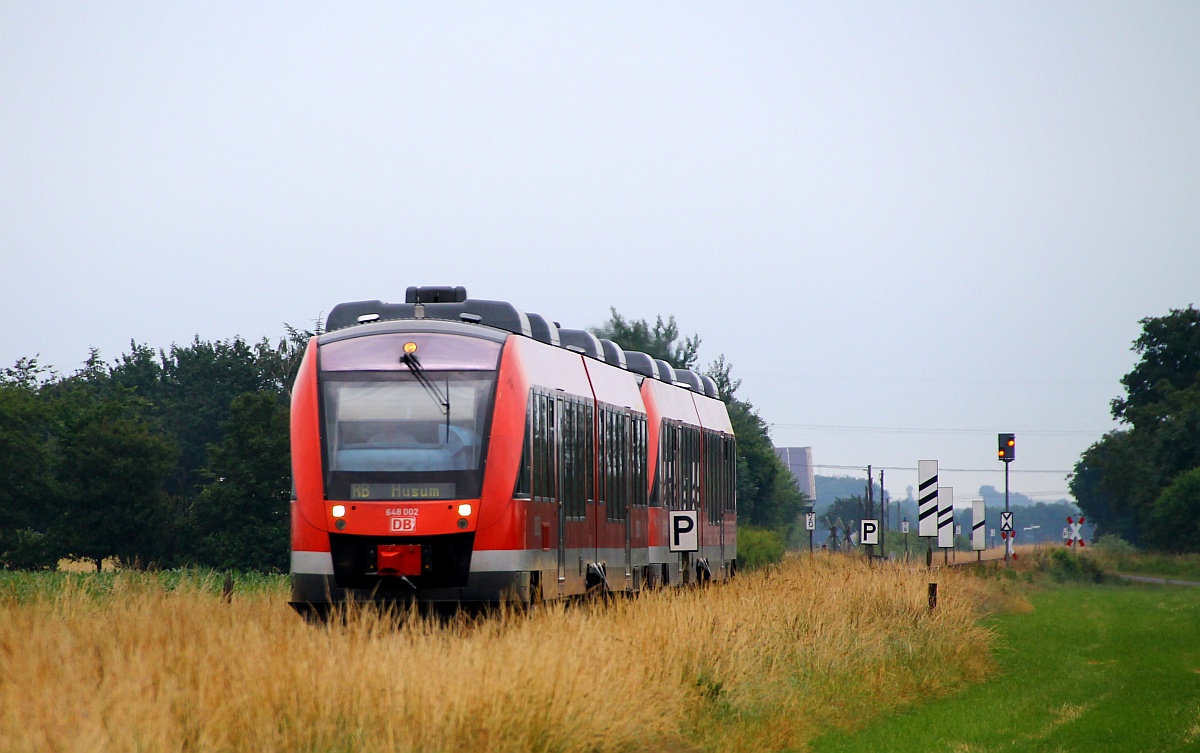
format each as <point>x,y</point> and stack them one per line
<point>402,491</point>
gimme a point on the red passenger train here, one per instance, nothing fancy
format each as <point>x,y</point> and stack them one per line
<point>458,451</point>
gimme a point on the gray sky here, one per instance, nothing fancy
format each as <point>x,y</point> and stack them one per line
<point>908,225</point>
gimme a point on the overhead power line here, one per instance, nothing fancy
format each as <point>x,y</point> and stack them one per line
<point>863,467</point>
<point>925,430</point>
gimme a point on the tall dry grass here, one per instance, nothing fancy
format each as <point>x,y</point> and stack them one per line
<point>761,664</point>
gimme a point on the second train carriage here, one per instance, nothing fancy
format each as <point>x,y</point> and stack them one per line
<point>451,450</point>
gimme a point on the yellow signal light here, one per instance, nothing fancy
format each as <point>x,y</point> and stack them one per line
<point>410,347</point>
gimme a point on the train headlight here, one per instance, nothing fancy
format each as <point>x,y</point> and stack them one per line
<point>464,510</point>
<point>339,511</point>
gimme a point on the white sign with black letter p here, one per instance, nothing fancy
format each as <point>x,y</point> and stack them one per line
<point>685,534</point>
<point>869,532</point>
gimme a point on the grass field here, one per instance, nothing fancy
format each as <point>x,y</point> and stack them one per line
<point>1089,669</point>
<point>141,662</point>
<point>1177,566</point>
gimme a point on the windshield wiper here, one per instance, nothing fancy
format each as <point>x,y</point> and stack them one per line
<point>431,389</point>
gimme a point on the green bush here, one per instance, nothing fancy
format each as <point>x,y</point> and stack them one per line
<point>1112,544</point>
<point>1063,565</point>
<point>24,549</point>
<point>758,547</point>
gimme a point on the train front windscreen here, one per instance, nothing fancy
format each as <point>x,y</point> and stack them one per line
<point>406,416</point>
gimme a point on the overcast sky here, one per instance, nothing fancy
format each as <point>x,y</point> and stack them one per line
<point>909,226</point>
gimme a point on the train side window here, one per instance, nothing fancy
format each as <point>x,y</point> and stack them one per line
<point>714,490</point>
<point>654,482</point>
<point>539,445</point>
<point>587,430</point>
<point>602,452</point>
<point>551,466</point>
<point>563,452</point>
<point>639,461</point>
<point>549,480</point>
<point>521,490</point>
<point>627,464</point>
<point>615,466</point>
<point>571,465</point>
<point>661,486</point>
<point>731,470</point>
<point>575,457</point>
<point>669,466</point>
<point>543,443</point>
<point>613,451</point>
<point>581,458</point>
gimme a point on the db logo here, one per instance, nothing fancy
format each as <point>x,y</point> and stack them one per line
<point>404,525</point>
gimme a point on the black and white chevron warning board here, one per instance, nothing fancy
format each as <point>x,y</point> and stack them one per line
<point>978,534</point>
<point>945,517</point>
<point>927,497</point>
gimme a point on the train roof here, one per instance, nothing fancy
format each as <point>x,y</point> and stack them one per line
<point>452,304</point>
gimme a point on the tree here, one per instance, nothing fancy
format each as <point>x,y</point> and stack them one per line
<point>766,490</point>
<point>1120,481</point>
<point>1169,347</point>
<point>767,495</point>
<point>27,484</point>
<point>850,509</point>
<point>111,471</point>
<point>658,341</point>
<point>241,518</point>
<point>1173,522</point>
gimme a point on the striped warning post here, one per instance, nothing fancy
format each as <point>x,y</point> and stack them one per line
<point>927,502</point>
<point>945,517</point>
<point>978,534</point>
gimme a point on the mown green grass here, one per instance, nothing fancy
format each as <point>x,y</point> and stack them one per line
<point>20,586</point>
<point>1090,668</point>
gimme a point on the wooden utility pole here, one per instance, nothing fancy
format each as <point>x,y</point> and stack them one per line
<point>883,517</point>
<point>870,511</point>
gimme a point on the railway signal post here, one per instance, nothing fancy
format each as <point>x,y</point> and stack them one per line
<point>1006,451</point>
<point>1008,532</point>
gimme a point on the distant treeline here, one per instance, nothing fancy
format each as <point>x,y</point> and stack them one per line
<point>1035,522</point>
<point>167,457</point>
<point>832,488</point>
<point>181,455</point>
